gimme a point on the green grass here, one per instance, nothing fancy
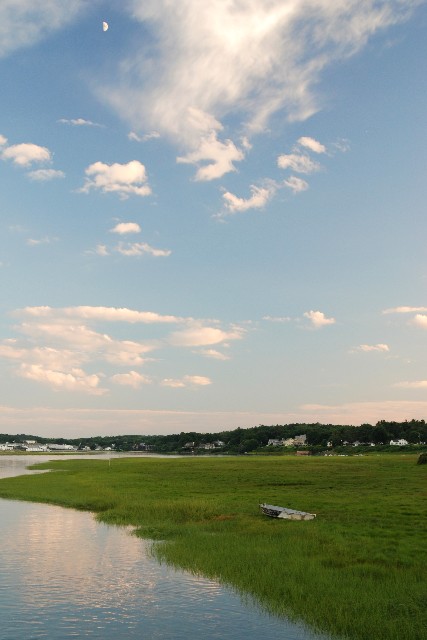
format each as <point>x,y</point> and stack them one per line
<point>357,571</point>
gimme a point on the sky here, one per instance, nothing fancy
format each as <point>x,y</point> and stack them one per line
<point>212,214</point>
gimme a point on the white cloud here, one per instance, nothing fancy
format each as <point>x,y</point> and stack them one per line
<point>342,145</point>
<point>417,384</point>
<point>3,140</point>
<point>140,249</point>
<point>57,359</point>
<point>420,321</point>
<point>56,347</point>
<point>122,228</point>
<point>101,250</point>
<point>186,381</point>
<point>75,380</point>
<point>280,319</point>
<point>103,314</point>
<point>34,242</point>
<point>216,157</point>
<point>79,122</point>
<point>213,353</point>
<point>199,336</point>
<point>296,185</point>
<point>24,22</point>
<point>148,136</point>
<point>198,381</point>
<point>318,319</point>
<point>300,163</point>
<point>259,198</point>
<point>132,379</point>
<point>250,58</point>
<point>312,144</point>
<point>80,338</point>
<point>175,384</point>
<point>123,179</point>
<point>43,175</point>
<point>383,348</point>
<point>404,310</point>
<point>26,154</point>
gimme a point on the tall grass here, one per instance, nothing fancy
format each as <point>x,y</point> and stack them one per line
<point>358,571</point>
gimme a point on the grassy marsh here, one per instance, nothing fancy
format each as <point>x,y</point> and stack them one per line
<point>358,571</point>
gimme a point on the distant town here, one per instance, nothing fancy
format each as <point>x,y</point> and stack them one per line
<point>301,439</point>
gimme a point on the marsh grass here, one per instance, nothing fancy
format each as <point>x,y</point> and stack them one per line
<point>358,571</point>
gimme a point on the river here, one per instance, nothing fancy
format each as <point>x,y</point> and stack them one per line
<point>64,575</point>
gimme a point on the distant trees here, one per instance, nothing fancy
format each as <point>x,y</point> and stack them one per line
<point>246,440</point>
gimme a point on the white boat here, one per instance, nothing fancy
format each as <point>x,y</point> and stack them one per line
<point>284,513</point>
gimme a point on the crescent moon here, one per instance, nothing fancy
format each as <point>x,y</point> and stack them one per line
<point>105,26</point>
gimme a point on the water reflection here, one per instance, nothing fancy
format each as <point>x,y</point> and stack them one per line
<point>63,575</point>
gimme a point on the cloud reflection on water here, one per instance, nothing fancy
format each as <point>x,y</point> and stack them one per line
<point>64,575</point>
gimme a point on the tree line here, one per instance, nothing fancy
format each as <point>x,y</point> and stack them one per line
<point>243,440</point>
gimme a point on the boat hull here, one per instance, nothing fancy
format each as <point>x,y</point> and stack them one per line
<point>285,514</point>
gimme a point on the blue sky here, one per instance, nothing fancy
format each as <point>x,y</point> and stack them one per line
<point>212,214</point>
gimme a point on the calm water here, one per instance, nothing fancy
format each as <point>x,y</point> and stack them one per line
<point>63,575</point>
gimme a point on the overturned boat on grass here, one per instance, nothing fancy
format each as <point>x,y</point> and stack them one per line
<point>284,513</point>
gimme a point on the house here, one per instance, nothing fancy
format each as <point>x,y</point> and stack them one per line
<point>11,446</point>
<point>300,440</point>
<point>399,443</point>
<point>35,447</point>
<point>60,447</point>
<point>273,442</point>
<point>289,442</point>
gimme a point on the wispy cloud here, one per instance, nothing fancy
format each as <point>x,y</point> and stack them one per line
<point>249,61</point>
<point>300,163</point>
<point>420,320</point>
<point>25,22</point>
<point>103,314</point>
<point>74,380</point>
<point>405,310</point>
<point>197,335</point>
<point>417,384</point>
<point>101,250</point>
<point>187,381</point>
<point>136,249</point>
<point>257,200</point>
<point>44,175</point>
<point>213,353</point>
<point>129,249</point>
<point>34,242</point>
<point>132,379</point>
<point>311,144</point>
<point>123,179</point>
<point>279,319</point>
<point>214,157</point>
<point>295,184</point>
<point>153,135</point>
<point>263,193</point>
<point>79,122</point>
<point>367,348</point>
<point>64,349</point>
